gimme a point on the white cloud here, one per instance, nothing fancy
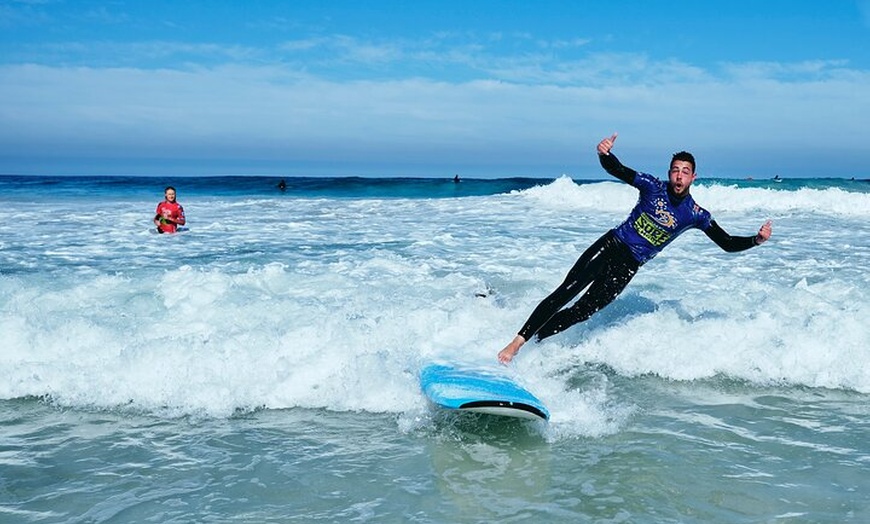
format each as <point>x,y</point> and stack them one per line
<point>540,111</point>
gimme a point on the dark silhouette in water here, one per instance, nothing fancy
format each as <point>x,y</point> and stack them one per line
<point>282,185</point>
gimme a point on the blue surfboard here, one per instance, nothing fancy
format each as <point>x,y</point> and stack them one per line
<point>469,389</point>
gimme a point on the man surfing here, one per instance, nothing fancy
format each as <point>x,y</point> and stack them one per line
<point>662,213</point>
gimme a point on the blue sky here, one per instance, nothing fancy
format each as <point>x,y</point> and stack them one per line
<point>479,88</point>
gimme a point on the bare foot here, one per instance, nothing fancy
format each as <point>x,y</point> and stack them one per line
<point>510,351</point>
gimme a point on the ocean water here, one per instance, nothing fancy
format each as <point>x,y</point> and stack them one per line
<point>261,366</point>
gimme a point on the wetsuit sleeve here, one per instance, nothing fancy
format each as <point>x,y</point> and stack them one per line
<point>727,242</point>
<point>614,167</point>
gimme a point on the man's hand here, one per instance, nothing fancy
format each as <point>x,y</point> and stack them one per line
<point>606,145</point>
<point>510,351</point>
<point>764,233</point>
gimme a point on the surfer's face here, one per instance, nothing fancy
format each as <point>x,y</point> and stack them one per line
<point>170,195</point>
<point>681,176</point>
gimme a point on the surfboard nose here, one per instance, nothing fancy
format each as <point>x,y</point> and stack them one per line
<point>481,391</point>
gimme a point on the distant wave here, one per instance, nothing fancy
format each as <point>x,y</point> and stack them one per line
<point>718,196</point>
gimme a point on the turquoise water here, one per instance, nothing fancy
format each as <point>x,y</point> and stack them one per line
<point>262,366</point>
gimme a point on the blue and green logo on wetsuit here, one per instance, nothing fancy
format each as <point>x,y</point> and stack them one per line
<point>653,233</point>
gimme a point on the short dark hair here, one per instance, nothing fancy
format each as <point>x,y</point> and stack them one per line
<point>685,156</point>
<point>172,188</point>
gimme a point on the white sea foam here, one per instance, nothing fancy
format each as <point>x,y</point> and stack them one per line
<point>337,304</point>
<point>613,196</point>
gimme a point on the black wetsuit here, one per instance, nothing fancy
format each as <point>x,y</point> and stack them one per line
<point>609,264</point>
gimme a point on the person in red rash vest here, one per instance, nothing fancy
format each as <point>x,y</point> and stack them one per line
<point>169,214</point>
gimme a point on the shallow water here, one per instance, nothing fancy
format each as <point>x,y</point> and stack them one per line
<point>262,366</point>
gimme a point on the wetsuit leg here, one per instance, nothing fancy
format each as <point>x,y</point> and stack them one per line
<point>606,267</point>
<point>602,292</point>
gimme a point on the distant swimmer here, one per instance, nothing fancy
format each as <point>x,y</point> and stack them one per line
<point>282,185</point>
<point>169,214</point>
<point>456,179</point>
<point>663,212</point>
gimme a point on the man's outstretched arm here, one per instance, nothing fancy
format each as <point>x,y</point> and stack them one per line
<point>733,244</point>
<point>611,164</point>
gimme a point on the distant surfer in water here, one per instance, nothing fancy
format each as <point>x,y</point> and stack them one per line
<point>169,214</point>
<point>663,212</point>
